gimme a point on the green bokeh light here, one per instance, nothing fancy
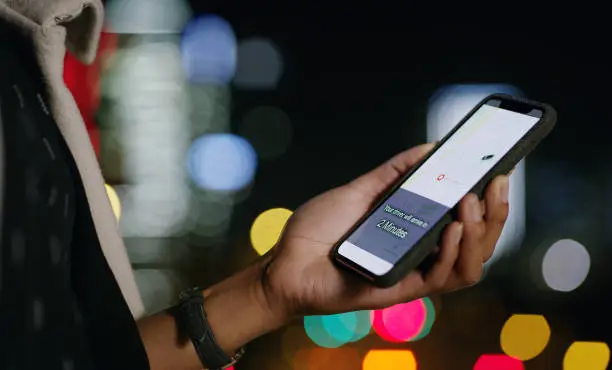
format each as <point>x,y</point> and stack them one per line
<point>363,326</point>
<point>318,334</point>
<point>333,331</point>
<point>430,318</point>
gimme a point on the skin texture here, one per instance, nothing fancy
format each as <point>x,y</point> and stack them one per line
<point>298,277</point>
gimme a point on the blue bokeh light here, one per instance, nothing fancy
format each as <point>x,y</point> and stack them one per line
<point>209,50</point>
<point>222,162</point>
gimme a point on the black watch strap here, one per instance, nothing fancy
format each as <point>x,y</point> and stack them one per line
<point>193,324</point>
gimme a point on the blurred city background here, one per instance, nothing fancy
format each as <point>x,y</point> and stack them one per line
<point>214,121</point>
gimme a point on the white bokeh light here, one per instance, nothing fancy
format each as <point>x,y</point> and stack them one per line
<point>565,265</point>
<point>222,162</point>
<point>147,16</point>
<point>260,64</point>
<point>149,92</point>
<point>446,108</point>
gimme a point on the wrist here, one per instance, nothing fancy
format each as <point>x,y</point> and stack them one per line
<point>239,310</point>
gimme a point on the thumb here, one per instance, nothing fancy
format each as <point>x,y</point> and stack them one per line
<point>377,181</point>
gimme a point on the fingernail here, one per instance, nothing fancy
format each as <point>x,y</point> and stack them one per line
<point>474,210</point>
<point>504,189</point>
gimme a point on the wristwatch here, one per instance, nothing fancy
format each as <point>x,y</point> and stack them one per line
<point>193,324</point>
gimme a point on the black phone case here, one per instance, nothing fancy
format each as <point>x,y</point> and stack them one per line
<point>424,247</point>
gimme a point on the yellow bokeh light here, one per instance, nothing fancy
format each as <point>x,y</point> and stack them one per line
<point>525,336</point>
<point>267,228</point>
<point>114,201</point>
<point>382,359</point>
<point>587,356</point>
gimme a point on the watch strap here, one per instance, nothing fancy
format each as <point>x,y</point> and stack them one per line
<point>194,324</point>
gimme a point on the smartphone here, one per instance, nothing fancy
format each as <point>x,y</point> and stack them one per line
<point>406,224</point>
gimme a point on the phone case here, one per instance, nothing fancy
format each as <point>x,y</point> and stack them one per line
<point>419,253</point>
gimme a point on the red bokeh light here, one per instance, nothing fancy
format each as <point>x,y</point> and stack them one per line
<point>498,362</point>
<point>400,323</point>
<point>83,81</point>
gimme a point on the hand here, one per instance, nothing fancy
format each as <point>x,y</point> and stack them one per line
<point>300,278</point>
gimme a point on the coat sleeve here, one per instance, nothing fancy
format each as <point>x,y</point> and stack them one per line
<point>54,26</point>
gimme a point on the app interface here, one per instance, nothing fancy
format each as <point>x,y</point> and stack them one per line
<point>438,185</point>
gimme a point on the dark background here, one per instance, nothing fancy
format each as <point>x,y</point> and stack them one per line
<point>358,78</point>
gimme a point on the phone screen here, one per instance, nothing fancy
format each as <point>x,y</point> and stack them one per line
<point>437,186</point>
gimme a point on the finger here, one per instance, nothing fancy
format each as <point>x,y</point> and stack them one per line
<point>414,285</point>
<point>447,258</point>
<point>472,215</point>
<point>375,182</point>
<point>496,214</point>
<point>472,250</point>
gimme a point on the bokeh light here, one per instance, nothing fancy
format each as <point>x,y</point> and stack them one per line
<point>587,356</point>
<point>347,327</point>
<point>114,201</point>
<point>565,265</point>
<point>430,318</point>
<point>153,16</point>
<point>209,50</point>
<point>340,326</point>
<point>222,162</point>
<point>316,331</point>
<point>363,325</point>
<point>333,331</point>
<point>145,92</point>
<point>389,359</point>
<point>498,362</point>
<point>446,108</point>
<point>260,64</point>
<point>210,214</point>
<point>158,288</point>
<point>401,323</point>
<point>269,130</point>
<point>267,228</point>
<point>210,108</point>
<point>525,336</point>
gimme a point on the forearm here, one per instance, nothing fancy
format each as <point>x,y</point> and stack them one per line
<point>237,311</point>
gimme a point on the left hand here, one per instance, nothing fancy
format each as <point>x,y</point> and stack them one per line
<point>300,278</point>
